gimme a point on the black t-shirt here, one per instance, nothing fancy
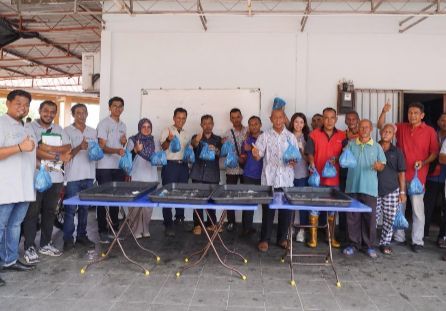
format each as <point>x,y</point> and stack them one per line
<point>206,171</point>
<point>388,178</point>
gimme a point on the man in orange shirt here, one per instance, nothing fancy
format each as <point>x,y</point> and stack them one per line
<point>419,144</point>
<point>325,144</point>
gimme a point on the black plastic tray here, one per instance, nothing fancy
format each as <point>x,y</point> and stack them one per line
<point>243,194</point>
<point>319,196</point>
<point>183,193</point>
<point>118,191</point>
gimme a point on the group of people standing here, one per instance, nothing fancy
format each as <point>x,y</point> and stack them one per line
<point>380,178</point>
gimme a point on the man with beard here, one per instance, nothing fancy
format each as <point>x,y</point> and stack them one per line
<point>46,202</point>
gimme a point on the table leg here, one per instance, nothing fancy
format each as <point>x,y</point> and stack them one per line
<point>220,225</point>
<point>338,284</point>
<point>114,242</point>
<point>209,245</point>
<point>129,227</point>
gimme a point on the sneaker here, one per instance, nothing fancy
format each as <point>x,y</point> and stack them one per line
<point>178,221</point>
<point>349,251</point>
<point>416,248</point>
<point>138,236</point>
<point>68,246</point>
<point>50,250</point>
<point>84,241</point>
<point>212,228</point>
<point>146,235</point>
<point>372,253</point>
<point>104,238</point>
<point>441,242</point>
<point>196,230</point>
<point>300,236</point>
<point>169,232</point>
<point>31,256</point>
<point>230,227</point>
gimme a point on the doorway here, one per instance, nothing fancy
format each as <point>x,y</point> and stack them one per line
<point>434,106</point>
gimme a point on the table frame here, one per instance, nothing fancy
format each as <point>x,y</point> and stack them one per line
<point>280,202</point>
<point>140,203</point>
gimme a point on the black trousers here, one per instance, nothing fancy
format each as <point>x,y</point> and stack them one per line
<point>232,180</point>
<point>247,216</point>
<point>46,205</point>
<point>104,176</point>
<point>362,226</point>
<point>177,172</point>
<point>433,190</point>
<point>284,219</point>
<point>210,212</point>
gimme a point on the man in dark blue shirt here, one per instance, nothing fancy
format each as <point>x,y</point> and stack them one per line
<point>204,171</point>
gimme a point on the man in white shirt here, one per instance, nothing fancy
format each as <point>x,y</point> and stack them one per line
<point>17,165</point>
<point>46,202</point>
<point>80,173</point>
<point>112,139</point>
<point>176,169</point>
<point>271,146</point>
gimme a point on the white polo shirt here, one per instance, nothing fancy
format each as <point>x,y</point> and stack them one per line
<point>184,139</point>
<point>111,131</point>
<point>80,167</point>
<point>56,176</point>
<point>16,171</point>
<point>142,170</point>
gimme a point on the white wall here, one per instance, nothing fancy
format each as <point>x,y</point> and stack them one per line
<point>269,53</point>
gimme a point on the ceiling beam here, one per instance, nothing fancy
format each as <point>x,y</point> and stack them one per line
<point>36,62</point>
<point>13,71</point>
<point>303,21</point>
<point>375,4</point>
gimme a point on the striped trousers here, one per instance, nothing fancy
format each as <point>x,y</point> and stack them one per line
<point>386,207</point>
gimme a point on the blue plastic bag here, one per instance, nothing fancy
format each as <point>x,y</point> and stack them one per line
<point>206,153</point>
<point>231,160</point>
<point>158,158</point>
<point>315,179</point>
<point>42,181</point>
<point>347,159</point>
<point>329,170</point>
<point>95,153</point>
<point>175,145</point>
<point>189,155</point>
<point>126,162</point>
<point>227,147</point>
<point>400,222</point>
<point>291,154</point>
<point>279,103</point>
<point>415,185</point>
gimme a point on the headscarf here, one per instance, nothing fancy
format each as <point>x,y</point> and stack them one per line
<point>148,143</point>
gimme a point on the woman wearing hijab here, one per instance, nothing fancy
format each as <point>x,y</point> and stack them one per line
<point>142,146</point>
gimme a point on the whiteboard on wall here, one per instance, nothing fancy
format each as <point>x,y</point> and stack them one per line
<point>158,105</point>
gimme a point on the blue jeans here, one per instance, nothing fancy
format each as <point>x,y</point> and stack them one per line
<point>11,217</point>
<point>303,215</point>
<point>73,188</point>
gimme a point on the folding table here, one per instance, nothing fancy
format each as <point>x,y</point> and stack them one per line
<point>214,235</point>
<point>143,202</point>
<point>280,202</point>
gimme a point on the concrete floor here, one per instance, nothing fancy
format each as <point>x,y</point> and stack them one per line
<point>403,281</point>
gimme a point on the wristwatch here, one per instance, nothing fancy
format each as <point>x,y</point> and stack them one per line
<point>402,192</point>
<point>57,158</point>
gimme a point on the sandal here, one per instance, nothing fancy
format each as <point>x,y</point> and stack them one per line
<point>349,251</point>
<point>386,250</point>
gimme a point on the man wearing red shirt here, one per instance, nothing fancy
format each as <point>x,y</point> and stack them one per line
<point>419,145</point>
<point>325,144</point>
